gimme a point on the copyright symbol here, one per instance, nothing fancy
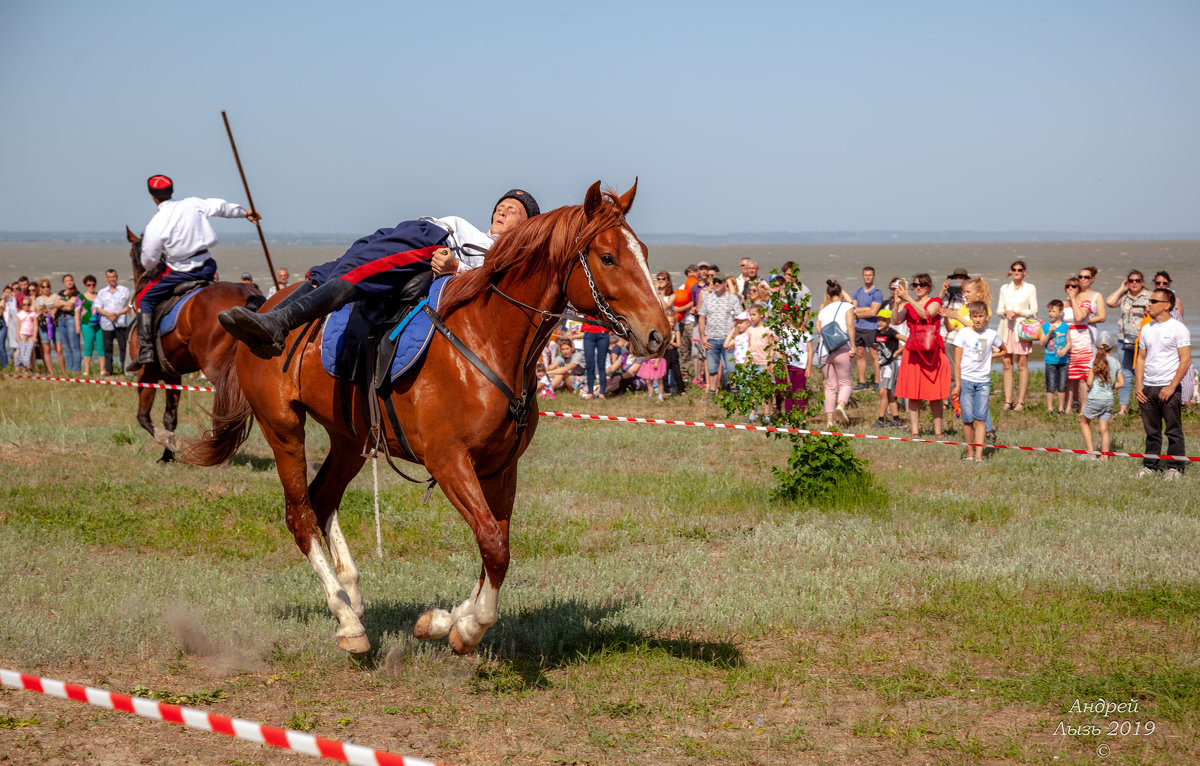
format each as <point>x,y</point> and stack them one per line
<point>1103,751</point>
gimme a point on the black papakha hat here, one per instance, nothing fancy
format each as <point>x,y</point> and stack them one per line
<point>525,198</point>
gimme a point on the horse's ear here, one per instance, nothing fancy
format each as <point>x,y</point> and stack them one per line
<point>626,199</point>
<point>129,235</point>
<point>591,202</point>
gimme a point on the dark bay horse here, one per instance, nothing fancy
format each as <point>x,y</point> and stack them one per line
<point>198,344</point>
<point>459,426</point>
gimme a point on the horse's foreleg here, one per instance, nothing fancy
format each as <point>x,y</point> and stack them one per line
<point>286,437</point>
<point>486,505</point>
<point>146,401</point>
<point>167,436</point>
<point>340,467</point>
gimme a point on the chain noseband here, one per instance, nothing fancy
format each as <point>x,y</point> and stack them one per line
<point>617,323</point>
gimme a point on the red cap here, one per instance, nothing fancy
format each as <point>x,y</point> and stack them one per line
<point>158,183</point>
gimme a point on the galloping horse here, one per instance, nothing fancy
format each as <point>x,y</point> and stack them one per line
<point>198,343</point>
<point>465,430</point>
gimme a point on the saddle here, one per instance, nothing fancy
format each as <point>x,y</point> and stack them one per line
<point>166,314</point>
<point>369,343</point>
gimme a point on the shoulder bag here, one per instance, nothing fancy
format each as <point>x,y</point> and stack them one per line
<point>833,335</point>
<point>923,336</point>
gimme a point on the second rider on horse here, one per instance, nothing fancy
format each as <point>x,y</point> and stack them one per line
<point>377,265</point>
<point>180,233</point>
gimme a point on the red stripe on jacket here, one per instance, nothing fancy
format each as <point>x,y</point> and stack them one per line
<point>388,262</point>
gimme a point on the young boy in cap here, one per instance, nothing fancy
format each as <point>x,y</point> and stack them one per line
<point>887,344</point>
<point>180,234</point>
<point>375,266</point>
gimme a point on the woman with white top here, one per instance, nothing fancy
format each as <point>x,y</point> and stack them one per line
<point>1018,302</point>
<point>836,310</point>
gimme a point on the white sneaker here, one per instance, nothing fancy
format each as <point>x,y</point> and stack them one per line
<point>840,411</point>
<point>1143,472</point>
<point>1172,474</point>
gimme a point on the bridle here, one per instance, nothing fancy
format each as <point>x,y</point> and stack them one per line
<point>519,406</point>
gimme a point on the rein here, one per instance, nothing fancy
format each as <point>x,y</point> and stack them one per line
<point>519,406</point>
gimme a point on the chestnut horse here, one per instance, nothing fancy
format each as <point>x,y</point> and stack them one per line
<point>465,431</point>
<point>197,344</point>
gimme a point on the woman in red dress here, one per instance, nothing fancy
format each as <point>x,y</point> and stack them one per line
<point>924,369</point>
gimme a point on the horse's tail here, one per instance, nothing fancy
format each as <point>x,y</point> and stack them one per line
<point>232,418</point>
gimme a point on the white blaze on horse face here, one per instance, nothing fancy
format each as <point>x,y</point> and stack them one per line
<point>636,248</point>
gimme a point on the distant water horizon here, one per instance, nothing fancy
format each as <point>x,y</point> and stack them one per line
<point>884,236</point>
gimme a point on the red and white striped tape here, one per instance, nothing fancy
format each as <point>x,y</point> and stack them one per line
<point>739,427</point>
<point>238,728</point>
<point>698,424</point>
<point>127,383</point>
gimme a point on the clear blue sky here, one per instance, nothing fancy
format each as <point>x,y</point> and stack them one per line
<point>737,116</point>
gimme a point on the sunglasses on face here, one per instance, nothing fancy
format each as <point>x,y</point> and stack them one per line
<point>1161,284</point>
<point>922,284</point>
<point>1136,279</point>
<point>1158,300</point>
<point>1018,271</point>
<point>1072,287</point>
<point>1085,276</point>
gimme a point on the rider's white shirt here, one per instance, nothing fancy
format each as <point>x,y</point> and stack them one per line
<point>468,243</point>
<point>180,229</point>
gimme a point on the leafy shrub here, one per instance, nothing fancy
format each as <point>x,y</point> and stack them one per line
<point>817,464</point>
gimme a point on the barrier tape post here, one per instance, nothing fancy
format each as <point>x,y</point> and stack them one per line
<point>698,424</point>
<point>285,739</point>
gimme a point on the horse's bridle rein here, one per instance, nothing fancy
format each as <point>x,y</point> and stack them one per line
<point>520,406</point>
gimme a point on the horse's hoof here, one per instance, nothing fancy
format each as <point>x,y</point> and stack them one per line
<point>421,630</point>
<point>354,644</point>
<point>457,644</point>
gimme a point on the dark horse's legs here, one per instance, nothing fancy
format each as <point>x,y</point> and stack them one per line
<point>284,431</point>
<point>486,504</point>
<point>166,437</point>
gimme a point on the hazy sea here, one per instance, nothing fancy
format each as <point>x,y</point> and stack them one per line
<point>1050,263</point>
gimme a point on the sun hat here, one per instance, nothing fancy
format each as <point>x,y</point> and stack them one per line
<point>959,273</point>
<point>1106,340</point>
<point>884,314</point>
<point>743,316</point>
<point>248,275</point>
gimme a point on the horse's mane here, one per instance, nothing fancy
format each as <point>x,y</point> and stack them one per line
<point>539,248</point>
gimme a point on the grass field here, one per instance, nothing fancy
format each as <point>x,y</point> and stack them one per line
<point>661,608</point>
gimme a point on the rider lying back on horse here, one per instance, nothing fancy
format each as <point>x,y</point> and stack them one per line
<point>377,265</point>
<point>180,233</point>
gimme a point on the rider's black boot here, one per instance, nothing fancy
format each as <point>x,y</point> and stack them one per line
<point>145,341</point>
<point>265,333</point>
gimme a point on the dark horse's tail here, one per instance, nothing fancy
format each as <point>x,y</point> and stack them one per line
<point>232,418</point>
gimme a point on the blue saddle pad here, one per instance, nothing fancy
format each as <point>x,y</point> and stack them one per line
<point>167,324</point>
<point>414,331</point>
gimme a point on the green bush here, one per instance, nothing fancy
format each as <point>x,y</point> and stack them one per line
<point>817,464</point>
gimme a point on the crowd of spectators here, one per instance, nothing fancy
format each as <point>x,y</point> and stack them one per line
<point>64,330</point>
<point>907,342</point>
<point>917,346</point>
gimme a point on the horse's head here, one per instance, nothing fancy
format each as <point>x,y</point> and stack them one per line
<point>140,275</point>
<point>613,282</point>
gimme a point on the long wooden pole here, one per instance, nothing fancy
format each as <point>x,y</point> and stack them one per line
<point>249,199</point>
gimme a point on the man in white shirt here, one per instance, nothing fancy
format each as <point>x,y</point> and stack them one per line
<point>1164,357</point>
<point>375,266</point>
<point>112,304</point>
<point>181,234</point>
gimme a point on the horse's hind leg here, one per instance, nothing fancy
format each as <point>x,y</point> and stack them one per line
<point>340,467</point>
<point>486,505</point>
<point>284,431</point>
